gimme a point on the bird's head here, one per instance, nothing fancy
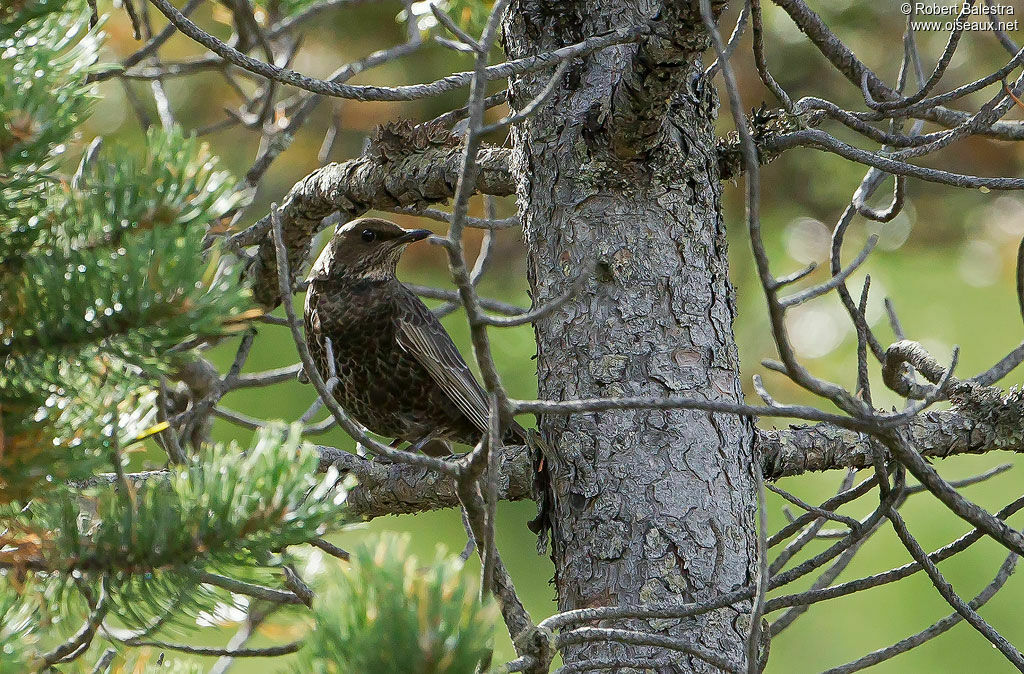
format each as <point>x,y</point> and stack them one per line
<point>368,248</point>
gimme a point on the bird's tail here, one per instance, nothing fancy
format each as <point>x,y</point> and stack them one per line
<point>540,451</point>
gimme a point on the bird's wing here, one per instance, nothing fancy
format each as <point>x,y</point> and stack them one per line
<point>314,330</point>
<point>422,335</point>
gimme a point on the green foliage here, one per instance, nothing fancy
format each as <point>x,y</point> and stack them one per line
<point>174,184</point>
<point>108,270</point>
<point>116,267</point>
<point>16,13</point>
<point>36,613</point>
<point>44,96</point>
<point>232,512</point>
<point>45,56</point>
<point>17,630</point>
<point>50,438</point>
<point>104,272</point>
<point>470,14</point>
<point>230,508</point>
<point>387,614</point>
<point>43,88</point>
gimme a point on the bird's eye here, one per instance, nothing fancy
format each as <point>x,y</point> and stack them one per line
<point>368,235</point>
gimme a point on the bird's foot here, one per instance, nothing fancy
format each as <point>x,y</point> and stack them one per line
<point>435,447</point>
<point>369,456</point>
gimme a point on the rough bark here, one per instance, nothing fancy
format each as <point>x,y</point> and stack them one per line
<point>399,488</point>
<point>649,506</point>
<point>659,68</point>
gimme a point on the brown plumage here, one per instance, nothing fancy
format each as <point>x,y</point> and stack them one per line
<point>398,371</point>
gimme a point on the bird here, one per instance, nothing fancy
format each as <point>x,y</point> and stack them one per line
<point>397,369</point>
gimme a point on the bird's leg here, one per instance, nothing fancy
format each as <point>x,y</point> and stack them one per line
<point>470,538</point>
<point>431,446</point>
<point>361,451</point>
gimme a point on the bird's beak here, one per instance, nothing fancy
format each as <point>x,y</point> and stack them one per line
<point>412,235</point>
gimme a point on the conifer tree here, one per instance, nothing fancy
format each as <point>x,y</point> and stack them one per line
<point>108,276</point>
<point>122,267</point>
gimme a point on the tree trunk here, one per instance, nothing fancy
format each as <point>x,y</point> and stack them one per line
<point>650,507</point>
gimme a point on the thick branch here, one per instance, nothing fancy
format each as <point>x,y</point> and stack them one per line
<point>409,167</point>
<point>396,489</point>
<point>973,429</point>
<point>405,166</point>
<point>765,124</point>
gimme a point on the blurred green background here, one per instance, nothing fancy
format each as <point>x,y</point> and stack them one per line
<point>947,263</point>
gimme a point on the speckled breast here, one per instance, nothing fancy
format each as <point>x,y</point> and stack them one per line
<point>380,384</point>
